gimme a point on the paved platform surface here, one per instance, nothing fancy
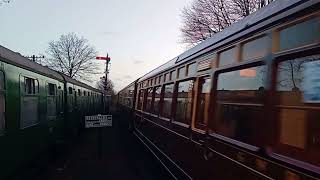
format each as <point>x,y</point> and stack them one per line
<point>124,157</point>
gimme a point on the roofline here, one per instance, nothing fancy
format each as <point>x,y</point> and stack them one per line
<point>210,44</point>
<point>8,55</point>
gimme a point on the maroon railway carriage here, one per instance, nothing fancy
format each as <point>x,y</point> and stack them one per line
<point>244,104</point>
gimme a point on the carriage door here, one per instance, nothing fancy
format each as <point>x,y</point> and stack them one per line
<point>60,102</point>
<point>51,101</point>
<point>75,104</point>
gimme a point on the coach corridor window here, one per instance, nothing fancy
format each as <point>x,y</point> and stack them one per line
<point>156,104</point>
<point>167,101</point>
<point>2,103</point>
<point>203,102</point>
<point>184,102</point>
<point>298,105</point>
<point>149,99</point>
<point>29,102</point>
<point>239,104</point>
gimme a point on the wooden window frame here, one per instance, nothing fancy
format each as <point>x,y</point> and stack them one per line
<point>196,104</point>
<point>175,100</point>
<point>162,101</point>
<point>276,33</point>
<point>211,126</point>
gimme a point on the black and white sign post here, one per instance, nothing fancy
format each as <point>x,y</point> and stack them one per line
<point>98,121</point>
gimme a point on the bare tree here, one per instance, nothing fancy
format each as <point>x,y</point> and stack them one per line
<point>203,18</point>
<point>110,87</point>
<point>73,56</point>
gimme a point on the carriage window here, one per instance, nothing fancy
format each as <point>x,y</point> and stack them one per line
<point>300,34</point>
<point>298,86</point>
<point>172,75</point>
<point>29,103</point>
<point>140,100</point>
<point>30,86</point>
<point>192,69</point>
<point>155,80</point>
<point>160,77</point>
<point>203,106</point>
<point>157,94</point>
<point>166,77</point>
<point>255,48</point>
<point>2,104</point>
<point>184,102</point>
<point>167,101</point>
<point>51,89</point>
<point>227,57</point>
<point>84,93</point>
<point>181,72</point>
<point>239,104</point>
<point>149,99</point>
<point>79,92</point>
<point>70,90</point>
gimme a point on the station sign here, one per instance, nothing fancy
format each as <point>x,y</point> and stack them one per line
<point>97,121</point>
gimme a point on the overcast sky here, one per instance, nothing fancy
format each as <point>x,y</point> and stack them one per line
<point>139,35</point>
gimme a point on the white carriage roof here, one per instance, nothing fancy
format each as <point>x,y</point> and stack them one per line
<point>275,8</point>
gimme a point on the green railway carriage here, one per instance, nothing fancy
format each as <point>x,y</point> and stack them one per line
<point>39,108</point>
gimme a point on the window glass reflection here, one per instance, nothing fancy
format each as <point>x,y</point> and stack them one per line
<point>204,98</point>
<point>192,69</point>
<point>157,94</point>
<point>184,102</point>
<point>298,90</point>
<point>245,85</point>
<point>300,34</point>
<point>173,75</point>
<point>167,101</point>
<point>239,104</point>
<point>181,72</point>
<point>140,100</point>
<point>149,99</point>
<point>227,57</point>
<point>255,48</point>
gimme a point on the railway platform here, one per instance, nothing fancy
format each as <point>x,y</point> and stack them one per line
<point>123,157</point>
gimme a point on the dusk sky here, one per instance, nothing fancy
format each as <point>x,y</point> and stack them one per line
<point>139,35</point>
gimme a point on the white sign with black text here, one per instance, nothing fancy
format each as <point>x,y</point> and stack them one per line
<point>98,121</point>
